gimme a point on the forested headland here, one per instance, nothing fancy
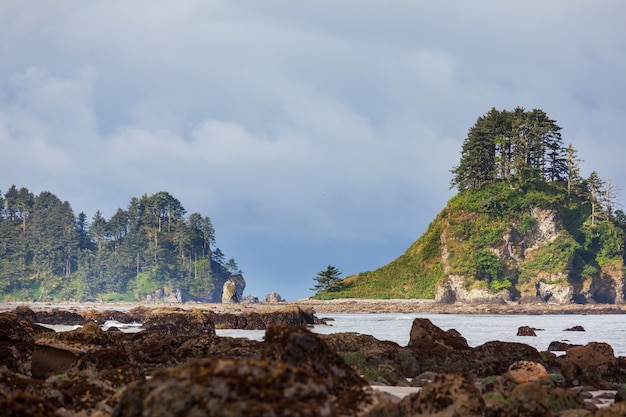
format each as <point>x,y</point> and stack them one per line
<point>525,225</point>
<point>149,250</point>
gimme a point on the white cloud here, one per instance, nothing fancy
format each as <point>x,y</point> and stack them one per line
<point>325,121</point>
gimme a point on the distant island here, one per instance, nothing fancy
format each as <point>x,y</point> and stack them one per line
<point>149,251</point>
<point>525,226</point>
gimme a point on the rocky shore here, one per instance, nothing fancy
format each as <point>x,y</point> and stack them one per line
<point>178,366</point>
<point>406,306</point>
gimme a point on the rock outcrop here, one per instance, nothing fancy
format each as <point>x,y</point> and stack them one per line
<point>229,292</point>
<point>90,372</point>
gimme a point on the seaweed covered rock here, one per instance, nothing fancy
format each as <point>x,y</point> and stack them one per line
<point>428,338</point>
<point>291,315</point>
<point>225,386</point>
<point>56,317</point>
<point>179,322</point>
<point>591,355</point>
<point>298,347</point>
<point>17,342</point>
<point>448,395</point>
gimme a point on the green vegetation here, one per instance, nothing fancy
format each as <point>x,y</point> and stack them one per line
<point>327,280</point>
<point>146,250</point>
<point>514,176</point>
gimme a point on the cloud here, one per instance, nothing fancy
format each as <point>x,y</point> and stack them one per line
<point>310,126</point>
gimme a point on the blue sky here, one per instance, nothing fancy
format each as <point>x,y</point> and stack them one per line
<point>312,133</point>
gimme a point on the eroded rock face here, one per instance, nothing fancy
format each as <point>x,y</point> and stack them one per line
<point>452,290</point>
<point>229,292</point>
<point>555,293</point>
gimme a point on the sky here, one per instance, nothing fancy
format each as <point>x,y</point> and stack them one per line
<point>311,133</point>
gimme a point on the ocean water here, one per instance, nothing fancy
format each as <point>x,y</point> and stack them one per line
<point>477,328</point>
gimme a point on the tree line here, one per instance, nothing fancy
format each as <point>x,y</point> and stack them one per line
<point>521,147</point>
<point>47,252</point>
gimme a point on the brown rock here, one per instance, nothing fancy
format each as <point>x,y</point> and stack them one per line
<point>494,358</point>
<point>560,346</point>
<point>616,410</point>
<point>525,371</point>
<point>447,395</point>
<point>428,338</point>
<point>591,355</point>
<point>106,315</point>
<point>228,387</point>
<point>298,347</point>
<point>178,322</point>
<point>22,404</point>
<point>575,329</point>
<point>526,331</point>
<point>291,315</point>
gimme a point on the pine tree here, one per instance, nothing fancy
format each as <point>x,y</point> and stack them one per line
<point>325,279</point>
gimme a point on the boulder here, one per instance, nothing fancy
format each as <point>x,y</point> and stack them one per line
<point>575,329</point>
<point>226,386</point>
<point>296,375</point>
<point>249,299</point>
<point>428,338</point>
<point>560,346</point>
<point>273,297</point>
<point>447,395</point>
<point>525,371</point>
<point>178,322</point>
<point>494,358</point>
<point>54,317</point>
<point>298,347</point>
<point>87,349</point>
<point>526,331</point>
<point>591,355</point>
<point>17,342</point>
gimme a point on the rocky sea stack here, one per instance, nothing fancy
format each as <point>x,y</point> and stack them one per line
<point>525,227</point>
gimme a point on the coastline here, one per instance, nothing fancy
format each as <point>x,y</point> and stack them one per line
<point>351,305</point>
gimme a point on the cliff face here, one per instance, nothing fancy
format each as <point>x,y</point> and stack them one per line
<point>516,251</point>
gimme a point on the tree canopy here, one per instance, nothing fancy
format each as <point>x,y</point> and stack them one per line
<point>48,252</point>
<point>326,279</point>
<point>516,146</point>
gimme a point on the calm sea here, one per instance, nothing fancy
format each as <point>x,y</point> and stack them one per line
<point>477,328</point>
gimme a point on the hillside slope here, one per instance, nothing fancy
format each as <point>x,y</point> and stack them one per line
<point>500,243</point>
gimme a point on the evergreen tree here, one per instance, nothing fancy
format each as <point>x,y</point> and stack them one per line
<point>574,180</point>
<point>325,279</point>
<point>596,193</point>
<point>517,146</point>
